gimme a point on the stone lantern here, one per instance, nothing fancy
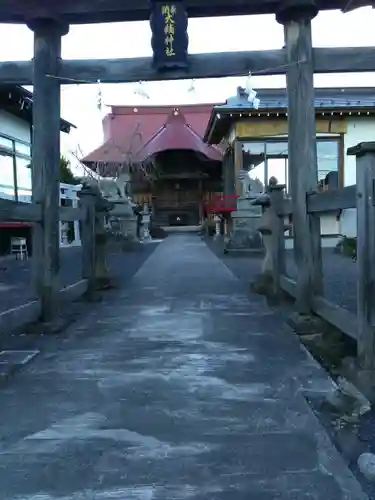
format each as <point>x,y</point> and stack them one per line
<point>122,219</point>
<point>226,125</point>
<point>264,281</point>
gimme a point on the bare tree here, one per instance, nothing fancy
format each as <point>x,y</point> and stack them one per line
<point>127,163</point>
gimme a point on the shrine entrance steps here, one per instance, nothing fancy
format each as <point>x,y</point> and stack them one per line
<point>182,387</point>
<point>182,229</point>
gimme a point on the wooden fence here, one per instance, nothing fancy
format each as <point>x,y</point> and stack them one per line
<point>307,289</point>
<point>90,212</point>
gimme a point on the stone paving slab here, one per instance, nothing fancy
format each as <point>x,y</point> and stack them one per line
<point>181,387</point>
<point>13,360</point>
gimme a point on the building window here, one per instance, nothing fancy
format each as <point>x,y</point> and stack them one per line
<point>6,143</point>
<point>277,149</point>
<point>270,159</point>
<point>328,153</point>
<point>7,184</point>
<point>15,171</point>
<point>254,160</point>
<point>23,148</point>
<point>278,167</point>
<point>23,173</point>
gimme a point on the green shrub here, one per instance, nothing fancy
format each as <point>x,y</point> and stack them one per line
<point>348,247</point>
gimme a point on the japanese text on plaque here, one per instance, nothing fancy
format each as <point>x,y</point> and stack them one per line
<point>169,12</point>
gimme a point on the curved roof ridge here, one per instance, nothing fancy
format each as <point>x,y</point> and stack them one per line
<point>176,141</point>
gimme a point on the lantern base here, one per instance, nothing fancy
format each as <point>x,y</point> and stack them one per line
<point>245,234</point>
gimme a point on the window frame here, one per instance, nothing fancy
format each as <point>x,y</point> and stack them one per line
<point>338,138</point>
<point>8,154</point>
<point>14,154</point>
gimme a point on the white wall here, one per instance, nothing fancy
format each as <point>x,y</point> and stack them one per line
<point>329,224</point>
<point>360,129</point>
<point>14,127</point>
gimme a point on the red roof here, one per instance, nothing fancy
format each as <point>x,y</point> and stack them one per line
<point>107,153</point>
<point>174,134</point>
<point>128,128</point>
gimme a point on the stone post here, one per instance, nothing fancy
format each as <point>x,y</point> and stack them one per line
<point>102,208</point>
<point>217,226</point>
<point>278,228</point>
<point>77,232</point>
<point>87,197</point>
<point>102,277</point>
<point>64,231</point>
<point>272,228</point>
<point>246,220</point>
<point>263,282</point>
<point>265,228</point>
<point>94,238</point>
<point>146,219</point>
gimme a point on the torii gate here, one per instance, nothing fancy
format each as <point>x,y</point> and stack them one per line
<point>298,60</point>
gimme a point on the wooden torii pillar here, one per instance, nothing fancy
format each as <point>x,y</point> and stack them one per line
<point>46,160</point>
<point>296,16</point>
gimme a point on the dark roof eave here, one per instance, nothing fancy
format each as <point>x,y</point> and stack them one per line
<point>65,126</point>
<point>209,127</point>
<point>232,115</point>
<point>224,124</point>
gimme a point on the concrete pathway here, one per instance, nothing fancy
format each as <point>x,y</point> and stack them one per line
<point>182,387</point>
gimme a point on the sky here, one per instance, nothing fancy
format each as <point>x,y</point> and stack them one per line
<point>119,40</point>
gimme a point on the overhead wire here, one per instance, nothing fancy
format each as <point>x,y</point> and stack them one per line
<point>267,71</point>
<point>239,74</point>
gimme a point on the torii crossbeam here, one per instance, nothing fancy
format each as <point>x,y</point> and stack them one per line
<point>50,21</point>
<point>216,65</point>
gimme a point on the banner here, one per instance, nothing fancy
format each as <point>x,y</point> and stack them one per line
<point>170,39</point>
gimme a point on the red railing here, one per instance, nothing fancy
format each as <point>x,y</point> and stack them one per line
<point>222,204</point>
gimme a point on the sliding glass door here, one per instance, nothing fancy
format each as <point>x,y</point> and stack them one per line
<point>278,167</point>
<point>23,171</point>
<point>270,159</point>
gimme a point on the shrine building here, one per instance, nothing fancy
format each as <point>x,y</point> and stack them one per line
<point>171,167</point>
<point>182,158</point>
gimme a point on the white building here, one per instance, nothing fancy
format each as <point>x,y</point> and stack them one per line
<point>344,117</point>
<point>15,154</point>
<point>361,128</point>
<point>15,141</point>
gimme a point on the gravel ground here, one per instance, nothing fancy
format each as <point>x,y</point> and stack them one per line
<point>15,275</point>
<point>340,278</point>
<point>340,273</point>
